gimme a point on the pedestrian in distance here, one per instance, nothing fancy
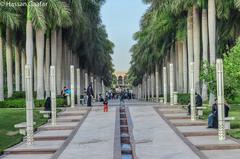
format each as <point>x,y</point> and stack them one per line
<point>89,95</point>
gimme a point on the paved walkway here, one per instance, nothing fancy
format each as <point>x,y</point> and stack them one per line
<point>95,138</point>
<point>154,139</point>
<point>158,131</point>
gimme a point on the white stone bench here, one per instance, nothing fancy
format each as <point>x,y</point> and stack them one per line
<point>46,114</point>
<point>227,122</point>
<point>161,100</point>
<point>22,127</point>
<point>200,111</point>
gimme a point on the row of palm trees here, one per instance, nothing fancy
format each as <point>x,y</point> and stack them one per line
<point>58,33</point>
<point>181,32</point>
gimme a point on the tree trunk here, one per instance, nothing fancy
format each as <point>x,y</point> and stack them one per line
<point>190,42</point>
<point>54,48</point>
<point>47,66</point>
<point>17,69</point>
<point>212,30</point>
<point>196,44</point>
<point>1,68</point>
<point>185,67</point>
<point>180,67</point>
<point>9,63</point>
<point>205,49</point>
<point>59,62</point>
<point>63,65</point>
<point>40,63</point>
<point>29,43</point>
<point>212,37</point>
<point>176,82</point>
<point>23,63</point>
<point>35,72</point>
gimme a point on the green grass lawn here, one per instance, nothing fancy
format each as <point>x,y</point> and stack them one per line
<point>235,124</point>
<point>9,136</point>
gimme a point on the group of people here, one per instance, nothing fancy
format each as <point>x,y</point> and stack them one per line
<point>89,93</point>
<point>213,116</point>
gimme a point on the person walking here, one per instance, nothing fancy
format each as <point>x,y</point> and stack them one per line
<point>89,94</point>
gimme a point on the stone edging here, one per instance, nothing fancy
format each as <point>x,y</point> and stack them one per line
<point>117,142</point>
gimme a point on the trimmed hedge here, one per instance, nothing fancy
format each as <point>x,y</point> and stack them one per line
<point>183,98</point>
<point>21,94</point>
<point>21,103</point>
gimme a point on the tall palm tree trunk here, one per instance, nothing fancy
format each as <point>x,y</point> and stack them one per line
<point>190,42</point>
<point>1,68</point>
<point>40,63</point>
<point>196,48</point>
<point>54,48</point>
<point>35,72</point>
<point>47,66</point>
<point>185,67</point>
<point>29,43</point>
<point>176,83</point>
<point>17,69</point>
<point>23,63</point>
<point>205,49</point>
<point>212,37</point>
<point>9,63</point>
<point>59,61</point>
<point>63,65</point>
<point>180,67</point>
<point>212,30</point>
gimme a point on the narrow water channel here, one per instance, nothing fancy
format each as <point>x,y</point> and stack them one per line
<point>126,147</point>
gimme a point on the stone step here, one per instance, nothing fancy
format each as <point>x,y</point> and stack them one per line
<point>66,120</point>
<point>177,117</point>
<point>50,138</point>
<point>31,151</point>
<point>56,128</point>
<point>218,147</point>
<point>189,124</point>
<point>203,133</point>
<point>71,114</point>
<point>173,111</point>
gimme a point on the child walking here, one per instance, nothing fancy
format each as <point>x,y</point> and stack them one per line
<point>105,107</point>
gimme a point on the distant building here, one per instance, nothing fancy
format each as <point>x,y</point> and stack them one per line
<point>121,78</point>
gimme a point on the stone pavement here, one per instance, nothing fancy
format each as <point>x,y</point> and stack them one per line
<point>158,131</point>
<point>95,138</point>
<point>154,139</point>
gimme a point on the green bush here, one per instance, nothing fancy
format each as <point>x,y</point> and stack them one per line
<point>21,103</point>
<point>18,94</point>
<point>183,98</point>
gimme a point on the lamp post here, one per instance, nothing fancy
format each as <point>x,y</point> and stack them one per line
<point>171,78</point>
<point>220,97</point>
<point>29,104</point>
<point>192,89</point>
<point>53,93</point>
<point>72,86</point>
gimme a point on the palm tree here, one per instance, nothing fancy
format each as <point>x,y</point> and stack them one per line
<point>1,67</point>
<point>9,19</point>
<point>204,46</point>
<point>196,47</point>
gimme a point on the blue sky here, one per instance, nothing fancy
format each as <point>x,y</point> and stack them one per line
<point>121,18</point>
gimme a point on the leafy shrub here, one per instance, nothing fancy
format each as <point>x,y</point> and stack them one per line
<point>21,103</point>
<point>183,98</point>
<point>18,94</point>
